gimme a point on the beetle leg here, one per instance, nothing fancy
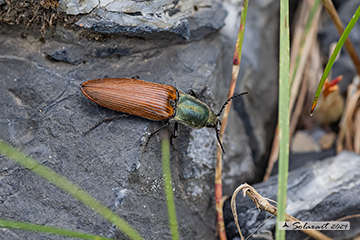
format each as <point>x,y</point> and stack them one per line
<point>105,120</point>
<point>176,130</point>
<point>218,138</point>
<point>192,93</point>
<point>175,133</point>
<point>152,134</point>
<point>202,92</point>
<point>198,96</point>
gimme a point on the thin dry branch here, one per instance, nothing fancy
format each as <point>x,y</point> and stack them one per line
<point>263,205</point>
<point>300,102</point>
<point>349,134</point>
<point>234,76</point>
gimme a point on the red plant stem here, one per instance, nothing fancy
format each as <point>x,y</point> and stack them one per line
<point>218,170</point>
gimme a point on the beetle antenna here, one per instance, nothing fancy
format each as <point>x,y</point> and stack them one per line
<point>218,138</point>
<point>227,101</point>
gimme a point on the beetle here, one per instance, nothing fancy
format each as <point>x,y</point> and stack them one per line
<point>153,101</point>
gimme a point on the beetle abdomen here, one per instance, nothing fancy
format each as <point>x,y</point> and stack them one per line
<point>133,96</point>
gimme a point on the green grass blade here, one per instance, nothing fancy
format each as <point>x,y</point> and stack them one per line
<point>284,100</point>
<point>168,186</point>
<point>240,38</point>
<point>333,56</point>
<point>60,181</point>
<point>50,230</point>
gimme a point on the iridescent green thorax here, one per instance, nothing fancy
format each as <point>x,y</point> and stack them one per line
<point>194,113</point>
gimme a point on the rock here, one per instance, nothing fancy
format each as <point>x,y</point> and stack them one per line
<point>156,19</point>
<point>304,142</point>
<point>45,115</point>
<point>326,191</point>
<point>300,160</point>
<point>77,7</point>
<point>328,140</point>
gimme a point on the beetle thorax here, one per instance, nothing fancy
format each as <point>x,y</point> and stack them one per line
<point>191,112</point>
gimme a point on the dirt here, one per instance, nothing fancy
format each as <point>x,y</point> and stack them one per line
<point>35,12</point>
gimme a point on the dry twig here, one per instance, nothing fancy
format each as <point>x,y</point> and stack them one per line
<point>263,205</point>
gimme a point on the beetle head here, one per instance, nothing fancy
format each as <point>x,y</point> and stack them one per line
<point>214,122</point>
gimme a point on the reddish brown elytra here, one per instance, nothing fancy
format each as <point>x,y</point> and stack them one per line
<point>133,96</point>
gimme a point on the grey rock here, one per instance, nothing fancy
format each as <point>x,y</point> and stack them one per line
<point>70,53</point>
<point>66,46</point>
<point>299,160</point>
<point>325,191</point>
<point>156,19</point>
<point>44,115</point>
<point>77,7</point>
<point>118,24</point>
<point>206,20</point>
